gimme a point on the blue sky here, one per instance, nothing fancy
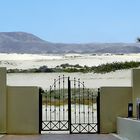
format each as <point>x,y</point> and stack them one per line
<point>78,21</point>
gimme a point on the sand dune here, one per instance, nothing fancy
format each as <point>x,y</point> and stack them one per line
<point>25,61</point>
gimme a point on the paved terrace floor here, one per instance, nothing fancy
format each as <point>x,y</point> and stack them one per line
<point>60,137</point>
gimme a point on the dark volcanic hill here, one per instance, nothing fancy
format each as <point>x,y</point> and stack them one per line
<point>21,42</point>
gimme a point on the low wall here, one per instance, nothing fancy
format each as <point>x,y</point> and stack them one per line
<point>128,128</point>
<point>113,103</point>
<point>22,110</point>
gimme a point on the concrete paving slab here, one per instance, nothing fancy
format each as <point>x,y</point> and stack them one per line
<point>60,137</point>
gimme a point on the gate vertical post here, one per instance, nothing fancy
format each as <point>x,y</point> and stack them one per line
<point>98,111</point>
<point>40,110</point>
<point>69,104</point>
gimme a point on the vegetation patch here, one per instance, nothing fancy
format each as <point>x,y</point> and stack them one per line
<point>103,68</point>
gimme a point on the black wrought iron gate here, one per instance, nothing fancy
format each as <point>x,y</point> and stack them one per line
<point>70,106</point>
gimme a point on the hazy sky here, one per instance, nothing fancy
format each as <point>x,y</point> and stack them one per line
<point>73,20</point>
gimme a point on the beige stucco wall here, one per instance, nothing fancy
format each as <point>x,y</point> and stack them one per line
<point>23,110</point>
<point>2,100</point>
<point>113,103</point>
<point>135,87</point>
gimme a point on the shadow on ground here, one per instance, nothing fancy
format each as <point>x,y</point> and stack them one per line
<point>60,137</point>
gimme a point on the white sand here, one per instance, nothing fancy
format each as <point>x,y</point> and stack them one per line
<point>25,61</point>
<point>45,80</point>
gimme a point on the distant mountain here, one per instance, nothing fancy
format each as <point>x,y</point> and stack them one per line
<point>127,48</point>
<point>21,42</point>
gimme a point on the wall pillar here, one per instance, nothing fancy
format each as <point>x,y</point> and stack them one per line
<point>2,100</point>
<point>135,87</point>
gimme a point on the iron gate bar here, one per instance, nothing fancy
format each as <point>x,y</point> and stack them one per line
<point>40,110</point>
<point>75,96</point>
<point>54,97</point>
<point>63,99</point>
<point>88,110</point>
<point>50,111</point>
<point>92,109</point>
<point>98,111</point>
<point>84,101</point>
<point>59,101</point>
<point>79,104</point>
<point>69,103</point>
